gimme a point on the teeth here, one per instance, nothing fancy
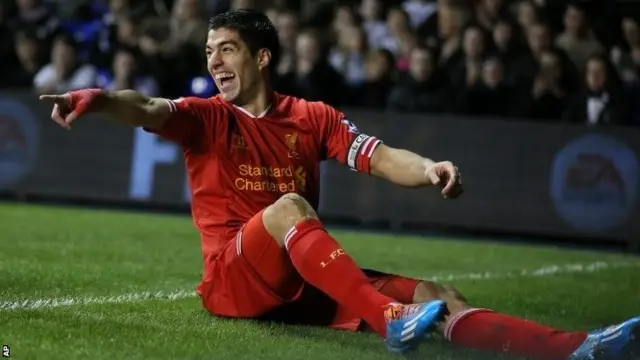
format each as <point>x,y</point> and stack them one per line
<point>224,75</point>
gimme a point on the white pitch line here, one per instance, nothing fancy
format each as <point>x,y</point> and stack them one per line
<point>543,271</point>
<point>36,304</point>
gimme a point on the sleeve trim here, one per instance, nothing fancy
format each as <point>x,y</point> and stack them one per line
<point>172,106</point>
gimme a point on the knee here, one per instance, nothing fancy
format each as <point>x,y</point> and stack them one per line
<point>427,291</point>
<point>286,212</point>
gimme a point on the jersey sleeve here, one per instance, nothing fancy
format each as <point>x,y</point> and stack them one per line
<point>190,120</point>
<point>343,141</point>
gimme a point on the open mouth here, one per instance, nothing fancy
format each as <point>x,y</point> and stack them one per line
<point>225,79</point>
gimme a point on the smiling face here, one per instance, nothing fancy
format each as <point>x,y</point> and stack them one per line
<point>236,70</point>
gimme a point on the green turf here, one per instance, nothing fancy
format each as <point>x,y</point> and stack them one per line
<point>49,252</point>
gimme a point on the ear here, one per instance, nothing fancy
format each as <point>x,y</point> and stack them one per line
<point>263,58</point>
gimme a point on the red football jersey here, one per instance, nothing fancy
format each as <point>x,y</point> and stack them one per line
<point>238,164</point>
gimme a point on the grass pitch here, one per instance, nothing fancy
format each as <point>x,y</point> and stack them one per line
<point>87,284</point>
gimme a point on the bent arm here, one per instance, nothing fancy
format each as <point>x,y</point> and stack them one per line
<point>133,108</point>
<point>401,167</point>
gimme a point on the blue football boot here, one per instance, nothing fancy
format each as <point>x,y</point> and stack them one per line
<point>407,325</point>
<point>619,342</point>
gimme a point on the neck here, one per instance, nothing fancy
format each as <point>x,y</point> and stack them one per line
<point>260,102</point>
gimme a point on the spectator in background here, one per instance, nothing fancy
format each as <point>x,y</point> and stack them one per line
<point>398,26</point>
<point>626,56</point>
<point>406,43</point>
<point>428,30</point>
<point>539,40</point>
<point>577,40</point>
<point>602,100</point>
<point>343,18</point>
<point>503,40</point>
<point>28,51</point>
<point>125,33</point>
<point>419,11</point>
<point>488,13</point>
<point>117,14</point>
<point>314,79</point>
<point>184,31</point>
<point>287,23</point>
<point>118,9</point>
<point>468,69</point>
<point>380,76</point>
<point>126,74</point>
<point>38,15</point>
<point>172,47</point>
<point>188,27</point>
<point>419,89</point>
<point>189,30</point>
<point>450,21</point>
<point>348,56</point>
<point>549,93</point>
<point>527,15</point>
<point>489,95</point>
<point>506,48</point>
<point>66,71</point>
<point>372,13</point>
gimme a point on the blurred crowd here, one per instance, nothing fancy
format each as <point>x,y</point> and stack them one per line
<point>548,60</point>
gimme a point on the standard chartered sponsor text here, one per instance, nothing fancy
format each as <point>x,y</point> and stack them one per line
<point>270,179</point>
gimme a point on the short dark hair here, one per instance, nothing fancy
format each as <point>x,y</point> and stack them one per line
<point>253,27</point>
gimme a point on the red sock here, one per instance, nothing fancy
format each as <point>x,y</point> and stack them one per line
<point>323,263</point>
<point>486,330</point>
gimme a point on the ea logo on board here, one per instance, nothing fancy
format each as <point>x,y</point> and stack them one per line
<point>18,142</point>
<point>594,183</point>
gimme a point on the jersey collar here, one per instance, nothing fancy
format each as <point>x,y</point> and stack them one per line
<point>273,105</point>
<point>261,115</point>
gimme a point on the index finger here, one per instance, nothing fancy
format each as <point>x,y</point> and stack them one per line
<point>453,180</point>
<point>52,98</point>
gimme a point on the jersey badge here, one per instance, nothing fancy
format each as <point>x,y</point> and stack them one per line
<point>351,127</point>
<point>291,140</point>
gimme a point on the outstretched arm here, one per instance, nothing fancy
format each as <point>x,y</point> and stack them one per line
<point>127,106</point>
<point>367,154</point>
<point>408,169</point>
<point>184,121</point>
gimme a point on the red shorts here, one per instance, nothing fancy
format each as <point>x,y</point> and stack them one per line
<point>252,277</point>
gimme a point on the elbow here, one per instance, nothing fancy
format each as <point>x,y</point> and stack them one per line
<point>133,108</point>
<point>152,113</point>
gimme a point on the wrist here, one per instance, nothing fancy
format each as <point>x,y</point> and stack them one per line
<point>427,164</point>
<point>94,96</point>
